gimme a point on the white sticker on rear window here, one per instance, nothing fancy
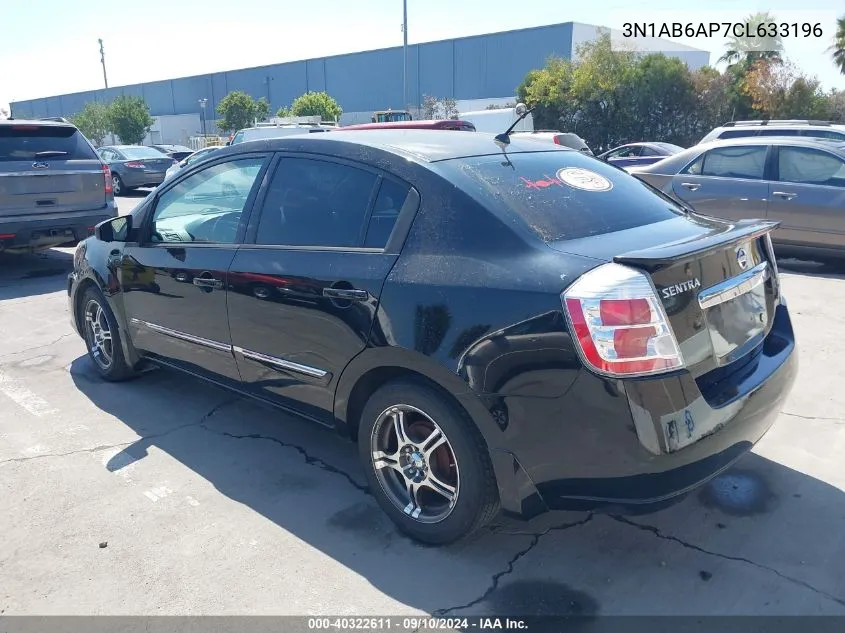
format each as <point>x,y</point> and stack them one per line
<point>584,179</point>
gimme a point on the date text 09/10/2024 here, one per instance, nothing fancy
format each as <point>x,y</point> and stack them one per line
<point>746,30</point>
<point>415,624</point>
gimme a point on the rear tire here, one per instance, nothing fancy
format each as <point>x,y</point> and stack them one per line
<point>102,337</point>
<point>440,456</point>
<point>118,188</point>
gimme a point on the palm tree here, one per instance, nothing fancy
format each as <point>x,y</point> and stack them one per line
<point>752,49</point>
<point>838,48</point>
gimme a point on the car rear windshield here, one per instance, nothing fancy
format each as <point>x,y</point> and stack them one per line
<point>43,142</point>
<point>142,152</point>
<point>561,195</point>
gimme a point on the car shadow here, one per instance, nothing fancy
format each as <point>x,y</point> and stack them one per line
<point>24,275</point>
<point>830,270</point>
<point>759,517</point>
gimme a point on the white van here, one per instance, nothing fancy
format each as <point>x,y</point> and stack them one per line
<point>497,121</point>
<point>277,131</point>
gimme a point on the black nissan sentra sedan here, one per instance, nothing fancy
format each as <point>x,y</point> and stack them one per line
<point>497,326</point>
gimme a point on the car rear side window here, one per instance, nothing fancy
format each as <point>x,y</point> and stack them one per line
<point>316,203</point>
<point>837,136</point>
<point>561,195</point>
<point>731,162</point>
<point>391,197</point>
<point>43,142</point>
<point>786,132</point>
<point>810,167</point>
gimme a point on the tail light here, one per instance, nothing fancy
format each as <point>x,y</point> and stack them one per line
<point>107,184</point>
<point>620,326</point>
<point>134,164</point>
<point>557,140</point>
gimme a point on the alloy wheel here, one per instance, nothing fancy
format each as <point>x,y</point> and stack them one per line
<point>415,464</point>
<point>98,334</point>
<point>116,184</point>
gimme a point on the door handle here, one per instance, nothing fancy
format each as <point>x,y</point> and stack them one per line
<point>786,195</point>
<point>349,294</point>
<point>692,186</point>
<point>205,282</point>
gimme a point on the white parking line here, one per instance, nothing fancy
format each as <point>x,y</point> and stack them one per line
<point>20,395</point>
<point>157,493</point>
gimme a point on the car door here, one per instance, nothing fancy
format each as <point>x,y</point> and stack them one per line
<point>808,197</point>
<point>174,278</point>
<point>304,289</point>
<point>726,182</point>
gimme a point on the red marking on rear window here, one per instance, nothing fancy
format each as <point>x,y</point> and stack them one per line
<point>543,183</point>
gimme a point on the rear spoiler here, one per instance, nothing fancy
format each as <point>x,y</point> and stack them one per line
<point>663,255</point>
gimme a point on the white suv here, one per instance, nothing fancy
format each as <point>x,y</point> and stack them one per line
<point>816,129</point>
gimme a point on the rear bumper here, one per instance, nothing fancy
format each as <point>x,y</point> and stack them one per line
<point>138,178</point>
<point>605,444</point>
<point>52,229</point>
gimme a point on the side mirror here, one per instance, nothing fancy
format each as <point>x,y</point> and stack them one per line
<point>114,230</point>
<point>520,109</point>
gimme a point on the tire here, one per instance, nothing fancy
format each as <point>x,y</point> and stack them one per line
<point>118,188</point>
<point>107,357</point>
<point>462,462</point>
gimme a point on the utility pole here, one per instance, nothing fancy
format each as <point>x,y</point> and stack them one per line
<point>202,103</point>
<point>405,54</point>
<point>103,62</point>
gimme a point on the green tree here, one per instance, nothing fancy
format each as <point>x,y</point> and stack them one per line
<point>262,109</point>
<point>129,118</point>
<point>838,48</point>
<point>239,110</point>
<point>283,112</point>
<point>430,108</point>
<point>316,104</point>
<point>760,47</point>
<point>93,121</point>
<point>781,91</point>
<point>664,100</point>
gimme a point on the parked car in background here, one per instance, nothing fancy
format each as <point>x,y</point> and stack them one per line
<point>176,152</point>
<point>436,124</point>
<point>639,153</point>
<point>527,329</point>
<point>134,166</point>
<point>53,187</point>
<point>777,127</point>
<point>191,159</point>
<point>278,131</point>
<point>498,120</point>
<point>565,139</point>
<point>799,182</point>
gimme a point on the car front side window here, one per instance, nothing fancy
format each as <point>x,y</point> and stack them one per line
<point>748,162</point>
<point>207,206</point>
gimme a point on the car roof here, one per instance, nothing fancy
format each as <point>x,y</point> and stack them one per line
<point>42,122</point>
<point>808,141</point>
<point>424,145</point>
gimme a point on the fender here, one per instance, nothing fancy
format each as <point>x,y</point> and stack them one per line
<point>380,358</point>
<point>102,274</point>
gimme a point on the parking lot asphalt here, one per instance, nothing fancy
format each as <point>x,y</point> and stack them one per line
<point>164,495</point>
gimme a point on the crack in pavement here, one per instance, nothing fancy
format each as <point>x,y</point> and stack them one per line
<point>310,460</point>
<point>143,438</point>
<point>35,347</point>
<point>813,417</point>
<point>497,577</point>
<point>741,559</point>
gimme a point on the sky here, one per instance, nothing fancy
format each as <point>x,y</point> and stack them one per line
<point>50,47</point>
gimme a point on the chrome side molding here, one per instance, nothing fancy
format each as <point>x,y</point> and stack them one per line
<point>734,287</point>
<point>273,361</point>
<point>280,363</point>
<point>183,336</point>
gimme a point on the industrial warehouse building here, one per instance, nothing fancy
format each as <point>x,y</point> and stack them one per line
<point>475,71</point>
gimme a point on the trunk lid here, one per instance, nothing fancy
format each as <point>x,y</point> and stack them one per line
<point>60,186</point>
<point>717,281</point>
<point>46,169</point>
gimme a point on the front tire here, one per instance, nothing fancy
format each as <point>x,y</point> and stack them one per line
<point>102,337</point>
<point>426,463</point>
